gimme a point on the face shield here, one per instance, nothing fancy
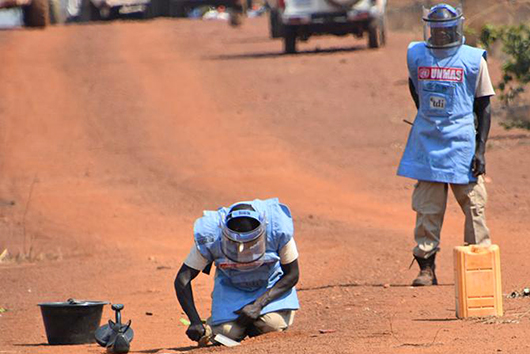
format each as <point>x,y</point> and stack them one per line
<point>442,27</point>
<point>244,237</point>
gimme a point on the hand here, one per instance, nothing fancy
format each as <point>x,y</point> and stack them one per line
<point>478,165</point>
<point>248,314</point>
<point>195,331</point>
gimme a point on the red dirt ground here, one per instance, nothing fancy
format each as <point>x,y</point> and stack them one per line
<point>115,136</point>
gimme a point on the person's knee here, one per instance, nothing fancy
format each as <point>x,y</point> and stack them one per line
<point>230,329</point>
<point>275,321</point>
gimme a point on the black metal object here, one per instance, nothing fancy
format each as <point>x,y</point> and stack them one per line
<point>71,322</point>
<point>115,336</point>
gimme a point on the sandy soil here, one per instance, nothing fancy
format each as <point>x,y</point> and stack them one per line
<point>115,136</point>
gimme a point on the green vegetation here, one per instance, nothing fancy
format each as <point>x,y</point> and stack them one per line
<point>516,67</point>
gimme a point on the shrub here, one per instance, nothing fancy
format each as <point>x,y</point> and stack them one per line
<point>516,68</point>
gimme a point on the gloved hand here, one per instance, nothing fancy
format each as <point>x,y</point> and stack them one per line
<point>248,314</point>
<point>478,165</point>
<point>195,331</point>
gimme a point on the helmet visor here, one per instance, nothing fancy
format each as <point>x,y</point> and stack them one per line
<point>443,34</point>
<point>243,236</point>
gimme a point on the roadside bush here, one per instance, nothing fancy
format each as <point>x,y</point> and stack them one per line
<point>516,68</point>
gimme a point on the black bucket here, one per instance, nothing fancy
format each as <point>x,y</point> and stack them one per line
<point>71,322</point>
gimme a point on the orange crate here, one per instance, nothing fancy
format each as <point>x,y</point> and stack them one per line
<point>478,281</point>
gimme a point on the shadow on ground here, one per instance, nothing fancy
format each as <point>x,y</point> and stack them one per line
<point>317,51</point>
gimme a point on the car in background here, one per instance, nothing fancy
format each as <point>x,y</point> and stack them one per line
<point>235,8</point>
<point>103,10</point>
<point>36,13</point>
<point>295,20</point>
<point>98,10</point>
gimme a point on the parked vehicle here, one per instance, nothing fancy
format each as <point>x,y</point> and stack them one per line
<point>236,8</point>
<point>295,20</point>
<point>36,13</point>
<point>98,10</point>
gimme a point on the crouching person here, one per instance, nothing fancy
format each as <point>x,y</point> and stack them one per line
<point>252,246</point>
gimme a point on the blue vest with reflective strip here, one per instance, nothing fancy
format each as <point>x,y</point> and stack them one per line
<point>441,143</point>
<point>235,288</point>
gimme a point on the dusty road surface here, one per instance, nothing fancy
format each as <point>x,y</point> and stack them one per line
<point>115,136</point>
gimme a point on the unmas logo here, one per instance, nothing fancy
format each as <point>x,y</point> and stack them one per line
<point>424,73</point>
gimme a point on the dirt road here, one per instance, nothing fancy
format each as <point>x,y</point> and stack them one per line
<point>114,137</point>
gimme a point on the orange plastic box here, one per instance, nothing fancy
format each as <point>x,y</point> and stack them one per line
<point>478,281</point>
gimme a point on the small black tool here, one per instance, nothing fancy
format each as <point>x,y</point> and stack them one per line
<point>115,336</point>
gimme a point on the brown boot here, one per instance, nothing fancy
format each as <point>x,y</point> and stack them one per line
<point>427,276</point>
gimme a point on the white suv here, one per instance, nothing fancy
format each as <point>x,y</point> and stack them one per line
<point>300,19</point>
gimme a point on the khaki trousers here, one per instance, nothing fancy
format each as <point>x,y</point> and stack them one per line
<point>429,200</point>
<point>269,322</point>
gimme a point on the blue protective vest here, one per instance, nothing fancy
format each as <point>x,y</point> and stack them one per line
<point>234,288</point>
<point>441,143</point>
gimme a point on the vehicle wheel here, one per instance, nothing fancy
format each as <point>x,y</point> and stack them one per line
<point>178,8</point>
<point>237,11</point>
<point>275,24</point>
<point>57,13</point>
<point>163,8</point>
<point>382,32</point>
<point>152,9</point>
<point>36,14</point>
<point>289,41</point>
<point>236,18</point>
<point>89,12</point>
<point>376,34</point>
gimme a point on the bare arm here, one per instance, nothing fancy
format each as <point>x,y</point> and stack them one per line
<point>185,297</point>
<point>482,109</point>
<point>287,282</point>
<point>251,312</point>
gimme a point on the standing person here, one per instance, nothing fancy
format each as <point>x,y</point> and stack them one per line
<point>451,88</point>
<point>256,259</point>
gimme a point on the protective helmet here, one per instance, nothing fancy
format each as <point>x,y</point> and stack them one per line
<point>243,234</point>
<point>442,26</point>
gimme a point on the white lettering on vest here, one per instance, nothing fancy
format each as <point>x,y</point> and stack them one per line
<point>440,74</point>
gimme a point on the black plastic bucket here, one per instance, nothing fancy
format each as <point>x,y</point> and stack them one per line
<point>71,322</point>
